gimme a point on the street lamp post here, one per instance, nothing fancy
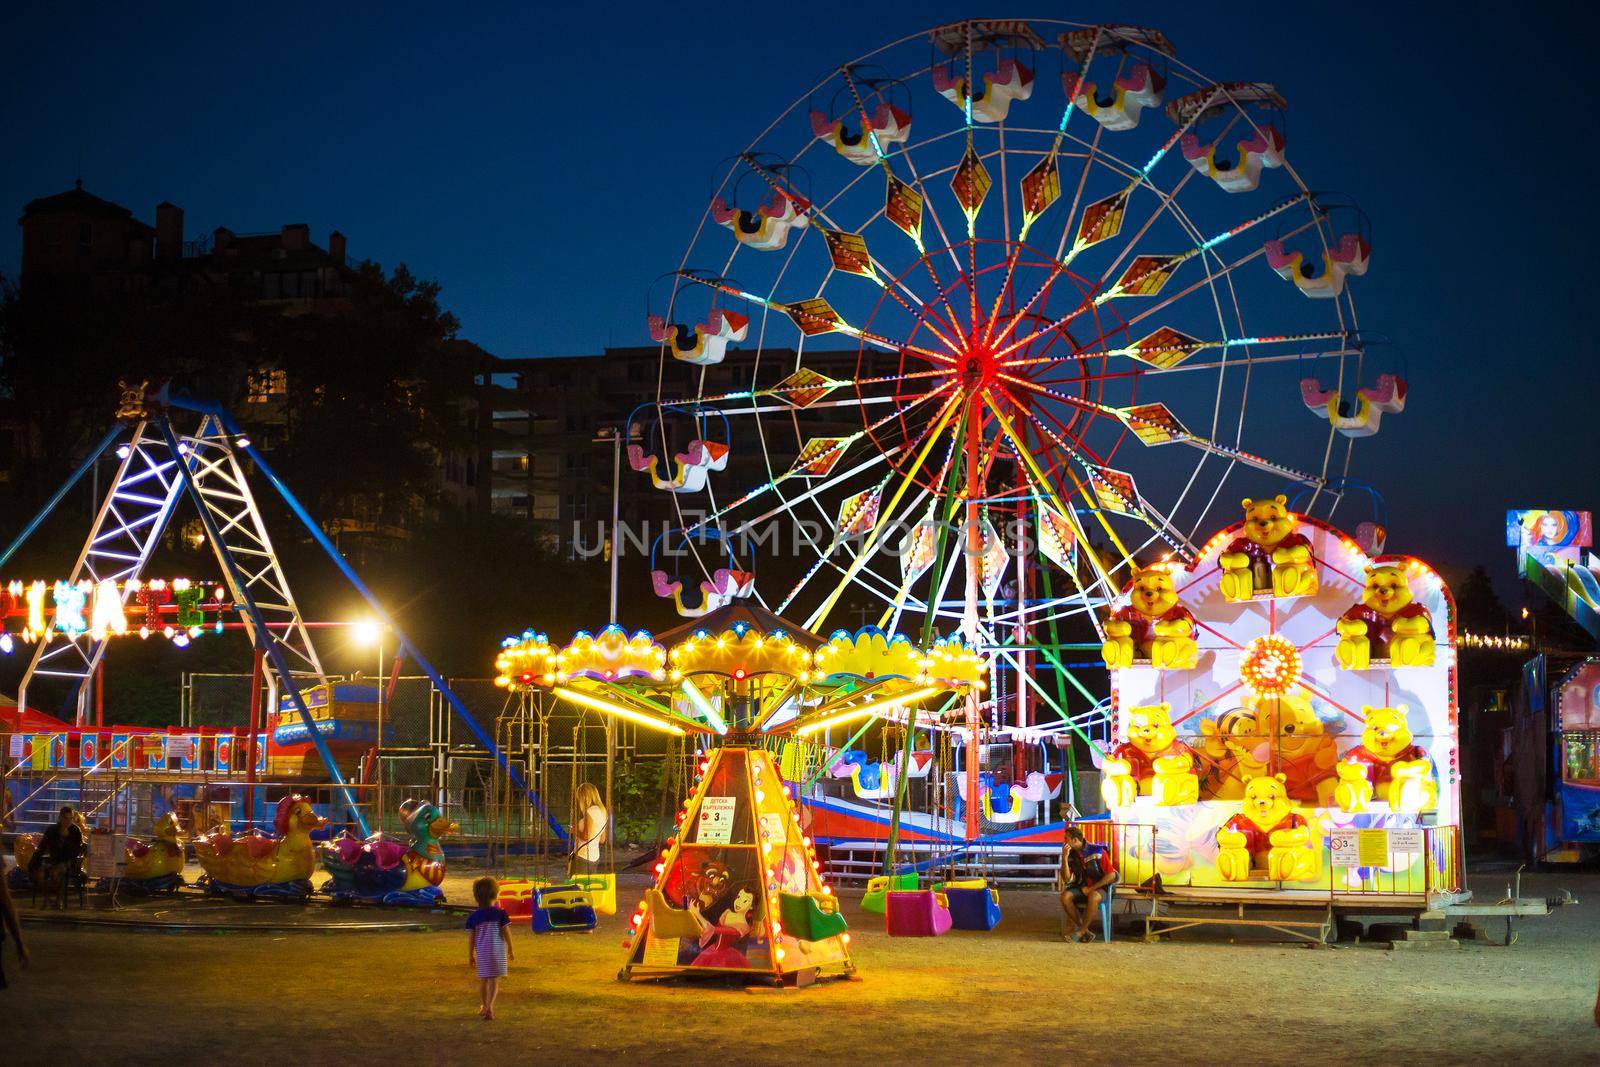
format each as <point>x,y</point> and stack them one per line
<point>614,435</point>
<point>370,632</point>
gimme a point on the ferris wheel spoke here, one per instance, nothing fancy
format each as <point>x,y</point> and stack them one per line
<point>1050,187</point>
<point>810,494</point>
<point>1051,163</point>
<point>1181,350</point>
<point>938,224</point>
<point>862,576</point>
<point>804,387</point>
<point>889,175</point>
<point>811,318</point>
<point>1167,433</point>
<point>1043,485</point>
<point>1211,277</point>
<point>1159,274</point>
<point>875,270</point>
<point>839,448</point>
<point>929,439</point>
<point>1166,268</point>
<point>1141,177</point>
<point>1142,510</point>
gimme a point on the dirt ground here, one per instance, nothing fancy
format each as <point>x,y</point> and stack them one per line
<point>1014,995</point>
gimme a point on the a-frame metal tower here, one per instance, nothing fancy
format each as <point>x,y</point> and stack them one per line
<point>157,465</point>
<point>132,516</point>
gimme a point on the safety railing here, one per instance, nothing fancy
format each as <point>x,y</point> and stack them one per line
<point>1370,863</point>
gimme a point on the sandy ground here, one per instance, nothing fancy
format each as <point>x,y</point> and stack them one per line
<point>1016,994</point>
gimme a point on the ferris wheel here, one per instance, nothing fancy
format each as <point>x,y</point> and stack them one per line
<point>1002,345</point>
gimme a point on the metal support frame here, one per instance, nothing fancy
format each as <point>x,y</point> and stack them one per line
<point>127,525</point>
<point>410,649</point>
<point>261,635</point>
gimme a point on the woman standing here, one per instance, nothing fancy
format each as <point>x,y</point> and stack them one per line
<point>588,831</point>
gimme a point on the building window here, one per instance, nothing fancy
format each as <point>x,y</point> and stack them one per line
<point>267,385</point>
<point>85,237</point>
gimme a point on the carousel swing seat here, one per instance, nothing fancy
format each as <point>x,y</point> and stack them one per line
<point>810,916</point>
<point>667,922</point>
<point>916,913</point>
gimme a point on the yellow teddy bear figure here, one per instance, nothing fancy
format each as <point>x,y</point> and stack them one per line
<point>1118,787</point>
<point>1152,762</point>
<point>1175,781</point>
<point>1267,838</point>
<point>1153,626</point>
<point>1354,791</point>
<point>1270,556</point>
<point>1388,766</point>
<point>1388,624</point>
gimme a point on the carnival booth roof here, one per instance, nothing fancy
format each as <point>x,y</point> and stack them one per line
<point>752,615</point>
<point>14,719</point>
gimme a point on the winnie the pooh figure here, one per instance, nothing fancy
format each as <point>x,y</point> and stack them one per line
<point>1153,626</point>
<point>1152,762</point>
<point>1268,836</point>
<point>1269,557</point>
<point>1387,766</point>
<point>1386,625</point>
<point>1284,733</point>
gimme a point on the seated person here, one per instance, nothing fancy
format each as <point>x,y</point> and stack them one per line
<point>1085,872</point>
<point>59,853</point>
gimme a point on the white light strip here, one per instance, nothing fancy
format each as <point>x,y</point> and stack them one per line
<point>872,708</point>
<point>709,713</point>
<point>617,709</point>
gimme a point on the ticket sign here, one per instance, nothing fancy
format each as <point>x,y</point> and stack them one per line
<point>716,821</point>
<point>1360,848</point>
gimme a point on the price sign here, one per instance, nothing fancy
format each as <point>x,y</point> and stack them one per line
<point>1345,848</point>
<point>716,821</point>
<point>1406,841</point>
<point>105,856</point>
<point>660,952</point>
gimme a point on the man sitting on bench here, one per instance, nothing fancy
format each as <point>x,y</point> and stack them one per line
<point>1085,872</point>
<point>59,854</point>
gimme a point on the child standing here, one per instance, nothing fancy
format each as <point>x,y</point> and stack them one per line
<point>488,943</point>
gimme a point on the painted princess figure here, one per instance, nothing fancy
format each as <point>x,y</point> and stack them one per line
<point>733,913</point>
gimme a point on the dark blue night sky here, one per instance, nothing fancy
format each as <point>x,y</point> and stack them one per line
<point>545,168</point>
